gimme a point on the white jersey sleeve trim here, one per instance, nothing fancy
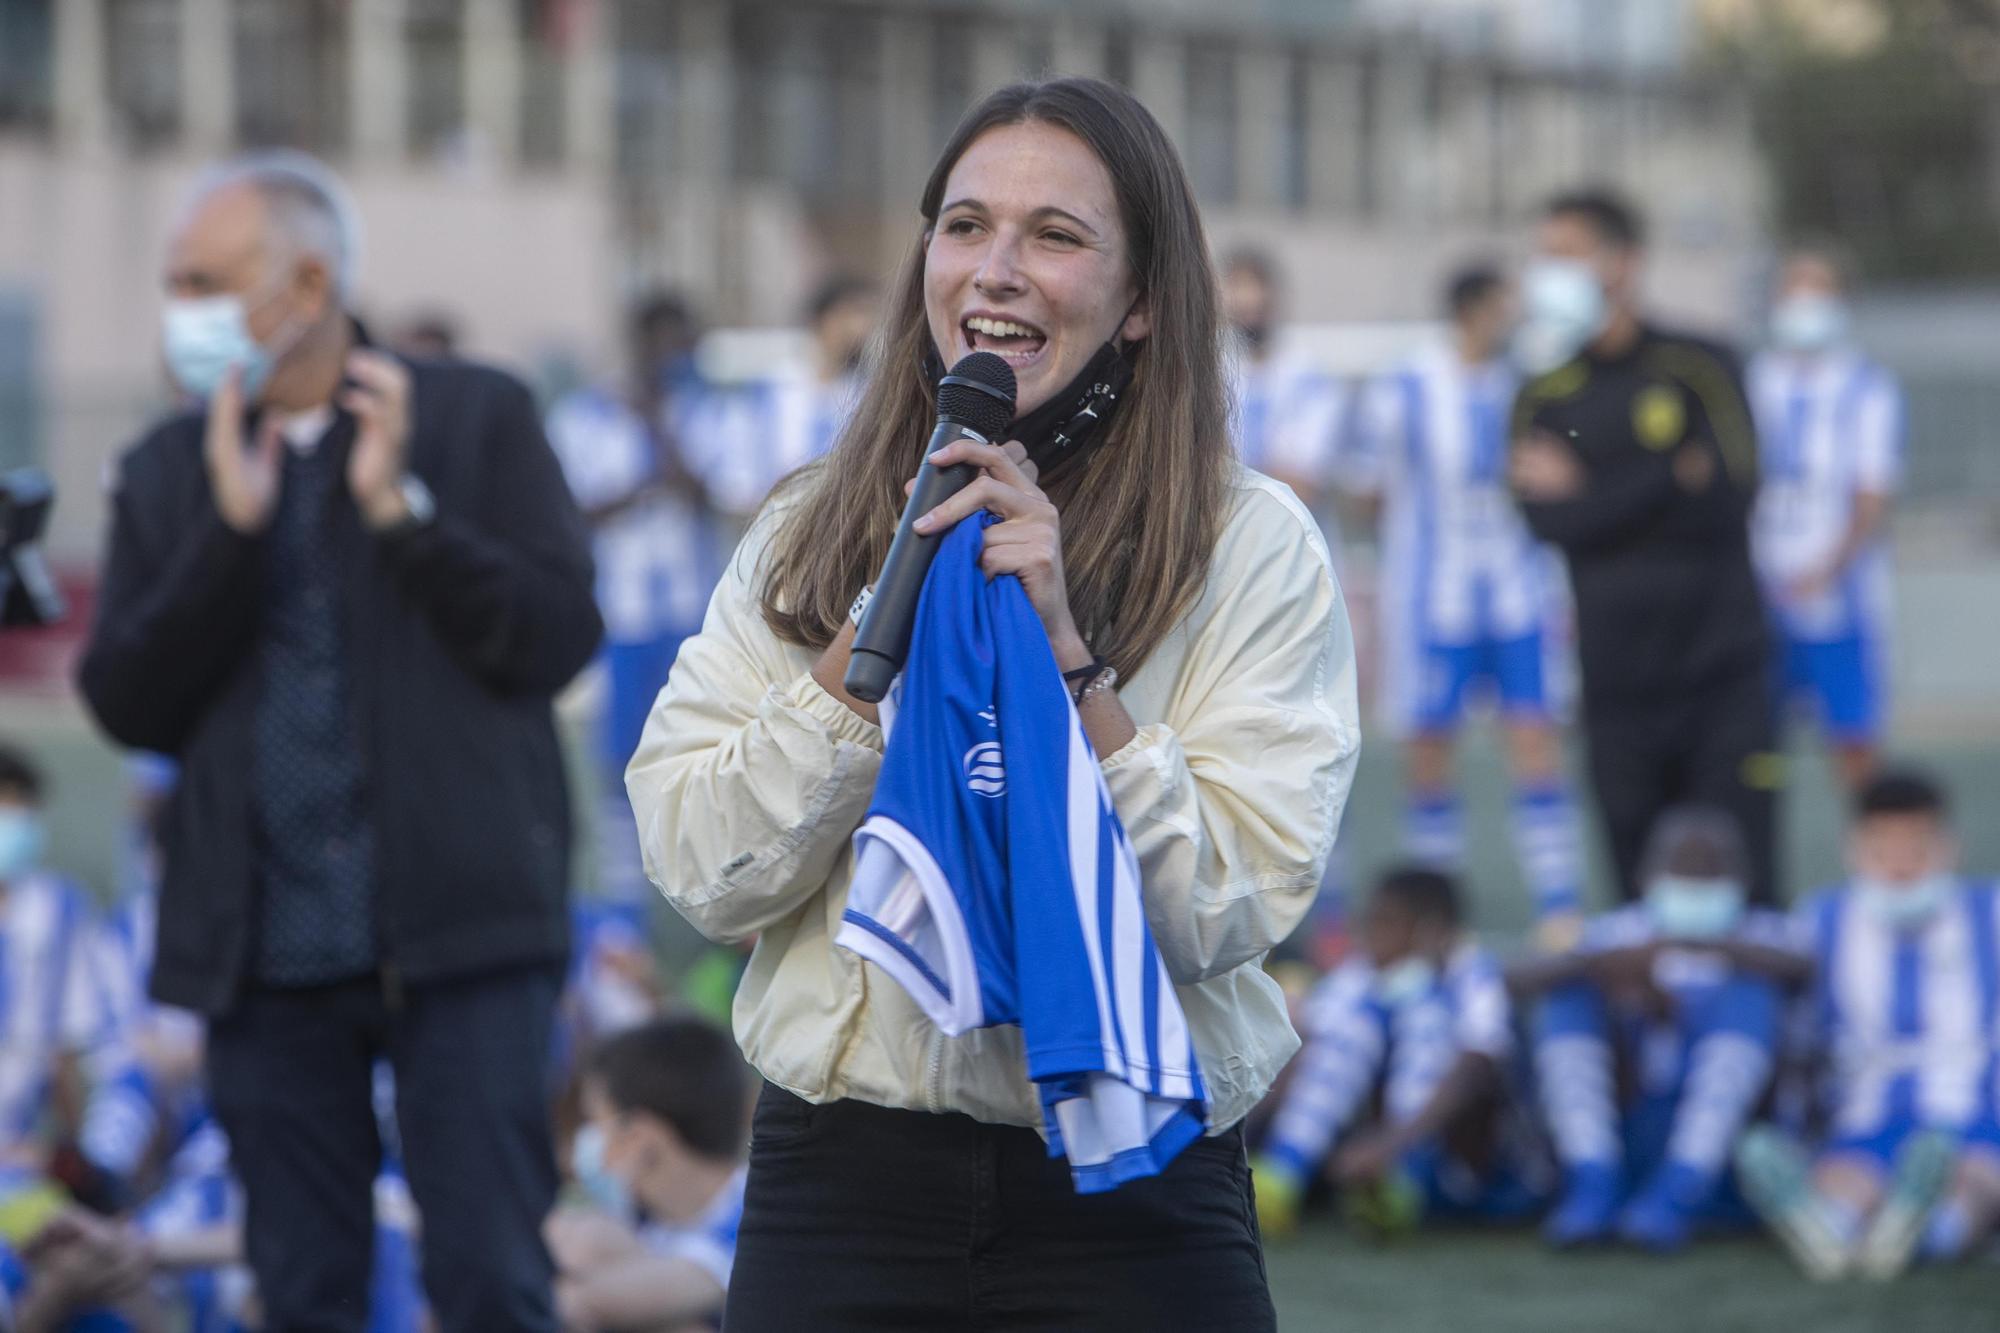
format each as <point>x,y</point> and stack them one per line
<point>902,916</point>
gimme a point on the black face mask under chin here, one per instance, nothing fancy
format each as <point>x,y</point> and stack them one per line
<point>1071,423</point>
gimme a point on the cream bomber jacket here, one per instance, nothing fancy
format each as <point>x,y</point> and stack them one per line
<point>750,781</point>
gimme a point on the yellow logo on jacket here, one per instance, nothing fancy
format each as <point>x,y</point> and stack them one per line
<point>1658,416</point>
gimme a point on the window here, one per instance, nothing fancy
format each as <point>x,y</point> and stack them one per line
<point>1292,130</point>
<point>143,69</point>
<point>544,116</point>
<point>27,51</point>
<point>1118,56</point>
<point>434,52</point>
<point>951,75</point>
<point>806,97</point>
<point>1211,120</point>
<point>643,81</point>
<point>20,405</point>
<point>291,73</point>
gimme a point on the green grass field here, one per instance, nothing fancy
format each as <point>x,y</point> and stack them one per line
<point>1506,1282</point>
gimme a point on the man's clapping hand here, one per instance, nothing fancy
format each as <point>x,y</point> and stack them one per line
<point>243,481</point>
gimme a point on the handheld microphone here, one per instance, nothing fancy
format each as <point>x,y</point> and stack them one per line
<point>975,402</point>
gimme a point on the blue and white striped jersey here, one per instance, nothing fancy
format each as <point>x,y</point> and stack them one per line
<point>1660,1045</point>
<point>146,1075</point>
<point>994,881</point>
<point>1287,415</point>
<point>51,1002</point>
<point>1828,428</point>
<point>657,560</point>
<point>1458,564</point>
<point>745,440</point>
<point>708,1241</point>
<point>1906,1017</point>
<point>1356,1042</point>
<point>197,1194</point>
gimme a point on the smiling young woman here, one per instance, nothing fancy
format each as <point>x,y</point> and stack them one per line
<point>895,1179</point>
<point>1026,224</point>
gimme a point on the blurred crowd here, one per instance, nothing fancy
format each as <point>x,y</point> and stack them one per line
<point>118,1206</point>
<point>1696,1057</point>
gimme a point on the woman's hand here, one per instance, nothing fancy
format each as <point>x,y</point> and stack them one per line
<point>1027,542</point>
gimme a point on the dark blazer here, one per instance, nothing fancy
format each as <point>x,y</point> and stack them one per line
<point>458,636</point>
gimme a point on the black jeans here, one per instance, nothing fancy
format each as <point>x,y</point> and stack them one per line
<point>861,1217</point>
<point>290,1074</point>
<point>1714,746</point>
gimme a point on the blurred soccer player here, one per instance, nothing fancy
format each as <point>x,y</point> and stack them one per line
<point>1421,1017</point>
<point>1464,601</point>
<point>668,1105</point>
<point>1904,1010</point>
<point>1287,418</point>
<point>624,451</point>
<point>1682,993</point>
<point>53,1010</point>
<point>1634,453</point>
<point>1287,411</point>
<point>746,440</point>
<point>1830,422</point>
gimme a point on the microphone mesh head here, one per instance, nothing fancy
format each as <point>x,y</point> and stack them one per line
<point>987,403</point>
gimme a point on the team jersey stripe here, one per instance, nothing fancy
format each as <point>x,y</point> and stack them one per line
<point>993,864</point>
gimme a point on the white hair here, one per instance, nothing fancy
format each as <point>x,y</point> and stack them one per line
<point>311,210</point>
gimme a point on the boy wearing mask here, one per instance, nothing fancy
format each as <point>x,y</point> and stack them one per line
<point>1903,1010</point>
<point>52,1007</point>
<point>1656,1039</point>
<point>1830,437</point>
<point>662,1156</point>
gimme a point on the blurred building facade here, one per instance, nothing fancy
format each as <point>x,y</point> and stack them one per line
<point>526,163</point>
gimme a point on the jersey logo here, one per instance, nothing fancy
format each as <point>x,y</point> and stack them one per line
<point>985,773</point>
<point>1658,417</point>
<point>985,765</point>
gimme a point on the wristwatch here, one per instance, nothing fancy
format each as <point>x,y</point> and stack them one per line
<point>418,502</point>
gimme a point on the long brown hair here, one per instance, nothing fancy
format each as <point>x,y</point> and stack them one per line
<point>1140,513</point>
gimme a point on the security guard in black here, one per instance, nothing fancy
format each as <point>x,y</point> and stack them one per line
<point>1671,628</point>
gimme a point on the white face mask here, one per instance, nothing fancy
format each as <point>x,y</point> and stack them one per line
<point>21,838</point>
<point>1904,906</point>
<point>1563,308</point>
<point>1404,982</point>
<point>1808,322</point>
<point>1694,909</point>
<point>604,1188</point>
<point>205,335</point>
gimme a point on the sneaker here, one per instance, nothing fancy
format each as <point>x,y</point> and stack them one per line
<point>1923,1169</point>
<point>1661,1218</point>
<point>1588,1213</point>
<point>1384,1210</point>
<point>1776,1177</point>
<point>1279,1193</point>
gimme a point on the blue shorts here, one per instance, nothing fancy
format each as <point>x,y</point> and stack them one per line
<point>1839,681</point>
<point>1882,1146</point>
<point>1512,667</point>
